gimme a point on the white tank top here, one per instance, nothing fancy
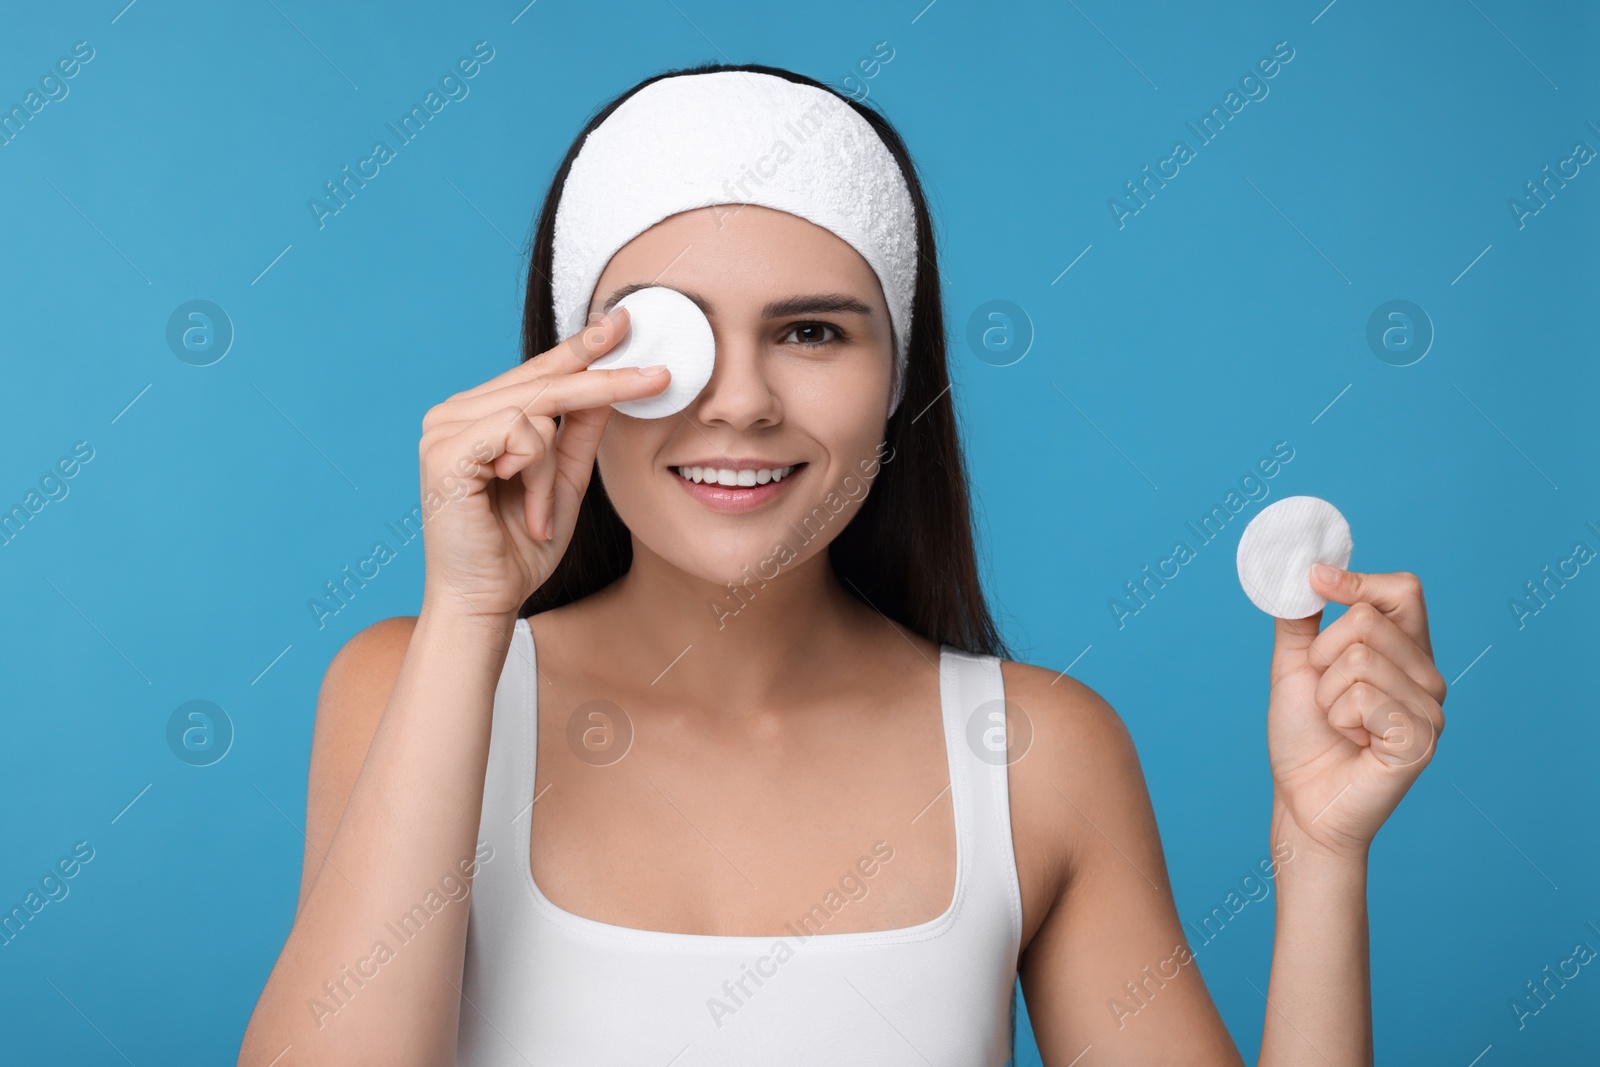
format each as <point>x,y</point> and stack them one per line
<point>545,986</point>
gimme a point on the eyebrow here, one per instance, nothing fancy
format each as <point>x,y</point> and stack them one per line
<point>808,304</point>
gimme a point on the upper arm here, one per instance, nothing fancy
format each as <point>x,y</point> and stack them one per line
<point>1108,963</point>
<point>354,692</point>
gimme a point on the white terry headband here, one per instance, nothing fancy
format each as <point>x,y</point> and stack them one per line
<point>735,137</point>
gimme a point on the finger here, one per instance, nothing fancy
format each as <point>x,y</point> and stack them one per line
<point>1355,706</point>
<point>456,467</point>
<point>487,432</point>
<point>1396,731</point>
<point>1363,663</point>
<point>576,446</point>
<point>559,394</point>
<point>1367,625</point>
<point>1397,595</point>
<point>573,353</point>
<point>505,441</point>
<point>576,440</point>
<point>538,482</point>
<point>1402,733</point>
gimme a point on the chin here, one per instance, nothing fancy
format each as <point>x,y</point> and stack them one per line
<point>746,559</point>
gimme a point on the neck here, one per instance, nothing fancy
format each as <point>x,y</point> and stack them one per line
<point>744,643</point>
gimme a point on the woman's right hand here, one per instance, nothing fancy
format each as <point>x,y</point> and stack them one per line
<point>501,484</point>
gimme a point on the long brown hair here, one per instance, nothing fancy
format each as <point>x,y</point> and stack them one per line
<point>908,552</point>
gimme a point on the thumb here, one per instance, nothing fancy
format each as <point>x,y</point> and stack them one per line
<point>1291,642</point>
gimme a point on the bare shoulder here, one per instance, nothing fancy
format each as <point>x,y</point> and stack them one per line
<point>355,690</point>
<point>371,655</point>
<point>1079,776</point>
<point>1070,710</point>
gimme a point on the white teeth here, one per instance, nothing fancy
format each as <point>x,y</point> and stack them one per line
<point>728,476</point>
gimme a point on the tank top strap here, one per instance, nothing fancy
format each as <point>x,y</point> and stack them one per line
<point>508,778</point>
<point>981,750</point>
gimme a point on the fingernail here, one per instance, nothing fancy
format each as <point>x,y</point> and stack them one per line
<point>550,528</point>
<point>1325,574</point>
<point>653,369</point>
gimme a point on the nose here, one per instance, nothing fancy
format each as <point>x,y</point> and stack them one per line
<point>739,394</point>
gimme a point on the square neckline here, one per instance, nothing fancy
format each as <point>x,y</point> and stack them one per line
<point>528,712</point>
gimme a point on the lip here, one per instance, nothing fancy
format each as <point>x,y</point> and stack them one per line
<point>741,464</point>
<point>731,499</point>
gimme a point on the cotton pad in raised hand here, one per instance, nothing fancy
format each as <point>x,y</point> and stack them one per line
<point>664,326</point>
<point>1280,545</point>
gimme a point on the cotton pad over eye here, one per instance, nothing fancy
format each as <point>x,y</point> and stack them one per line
<point>1279,547</point>
<point>664,326</point>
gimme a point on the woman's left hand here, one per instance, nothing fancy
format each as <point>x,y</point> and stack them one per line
<point>1354,711</point>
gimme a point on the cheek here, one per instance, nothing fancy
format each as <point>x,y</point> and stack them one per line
<point>848,429</point>
<point>627,453</point>
<point>838,404</point>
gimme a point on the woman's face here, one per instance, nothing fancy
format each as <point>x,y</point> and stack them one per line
<point>804,364</point>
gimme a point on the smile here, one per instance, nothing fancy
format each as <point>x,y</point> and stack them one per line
<point>736,489</point>
<point>733,478</point>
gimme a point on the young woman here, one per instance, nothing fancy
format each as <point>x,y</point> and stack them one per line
<point>673,768</point>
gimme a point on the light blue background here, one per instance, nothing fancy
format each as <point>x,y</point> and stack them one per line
<point>1226,316</point>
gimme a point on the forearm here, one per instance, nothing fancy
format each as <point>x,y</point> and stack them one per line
<point>1319,997</point>
<point>410,822</point>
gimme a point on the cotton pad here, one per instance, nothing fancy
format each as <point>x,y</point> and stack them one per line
<point>664,326</point>
<point>1279,547</point>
